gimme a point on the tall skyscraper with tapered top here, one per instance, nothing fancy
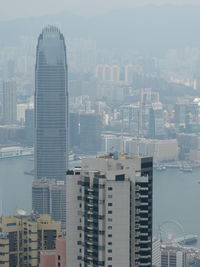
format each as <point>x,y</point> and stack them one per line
<point>51,105</point>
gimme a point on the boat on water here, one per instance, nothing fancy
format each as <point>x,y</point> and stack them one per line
<point>161,168</point>
<point>186,168</point>
<point>187,239</point>
<point>15,151</point>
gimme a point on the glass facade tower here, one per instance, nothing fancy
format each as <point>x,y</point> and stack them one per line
<point>51,105</point>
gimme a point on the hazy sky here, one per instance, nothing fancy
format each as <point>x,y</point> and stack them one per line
<point>22,8</point>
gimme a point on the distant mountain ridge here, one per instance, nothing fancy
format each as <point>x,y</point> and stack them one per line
<point>150,28</point>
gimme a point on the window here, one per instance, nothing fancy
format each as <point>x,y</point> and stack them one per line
<point>109,235</point>
<point>109,243</point>
<point>109,219</point>
<point>109,204</point>
<point>109,258</point>
<point>109,188</point>
<point>109,265</point>
<point>120,177</point>
<point>110,212</point>
<point>109,250</point>
<point>109,196</point>
<point>109,227</point>
<point>58,257</point>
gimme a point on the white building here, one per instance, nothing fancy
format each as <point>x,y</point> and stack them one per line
<point>107,73</point>
<point>109,212</point>
<point>173,257</point>
<point>156,253</point>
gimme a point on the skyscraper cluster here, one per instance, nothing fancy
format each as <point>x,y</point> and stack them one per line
<point>109,199</point>
<point>104,207</point>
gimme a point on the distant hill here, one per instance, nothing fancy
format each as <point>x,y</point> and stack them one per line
<point>149,29</point>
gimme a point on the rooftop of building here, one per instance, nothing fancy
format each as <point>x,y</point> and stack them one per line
<point>51,28</point>
<point>45,182</point>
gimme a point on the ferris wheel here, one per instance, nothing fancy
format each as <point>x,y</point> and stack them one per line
<point>171,231</point>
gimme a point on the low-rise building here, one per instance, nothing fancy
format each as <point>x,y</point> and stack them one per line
<point>22,238</point>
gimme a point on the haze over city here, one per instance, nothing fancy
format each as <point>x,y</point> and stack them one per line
<point>100,133</point>
<point>12,9</point>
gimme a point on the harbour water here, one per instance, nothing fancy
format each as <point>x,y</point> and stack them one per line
<point>176,194</point>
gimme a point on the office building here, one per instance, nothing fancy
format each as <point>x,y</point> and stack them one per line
<point>51,105</point>
<point>156,121</point>
<point>173,257</point>
<point>22,238</point>
<point>109,212</point>
<point>90,132</point>
<point>29,126</point>
<point>180,113</point>
<point>9,102</point>
<point>74,130</point>
<point>49,197</point>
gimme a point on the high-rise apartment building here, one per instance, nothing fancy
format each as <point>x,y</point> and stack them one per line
<point>9,102</point>
<point>23,237</point>
<point>49,197</point>
<point>109,212</point>
<point>107,73</point>
<point>51,105</point>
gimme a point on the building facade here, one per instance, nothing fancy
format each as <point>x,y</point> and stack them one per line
<point>54,258</point>
<point>90,132</point>
<point>173,257</point>
<point>49,197</point>
<point>109,212</point>
<point>51,105</point>
<point>23,237</point>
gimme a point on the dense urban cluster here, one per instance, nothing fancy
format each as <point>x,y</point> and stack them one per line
<point>95,130</point>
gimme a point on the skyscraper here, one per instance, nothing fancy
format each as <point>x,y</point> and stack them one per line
<point>9,102</point>
<point>49,197</point>
<point>90,132</point>
<point>109,212</point>
<point>51,105</point>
